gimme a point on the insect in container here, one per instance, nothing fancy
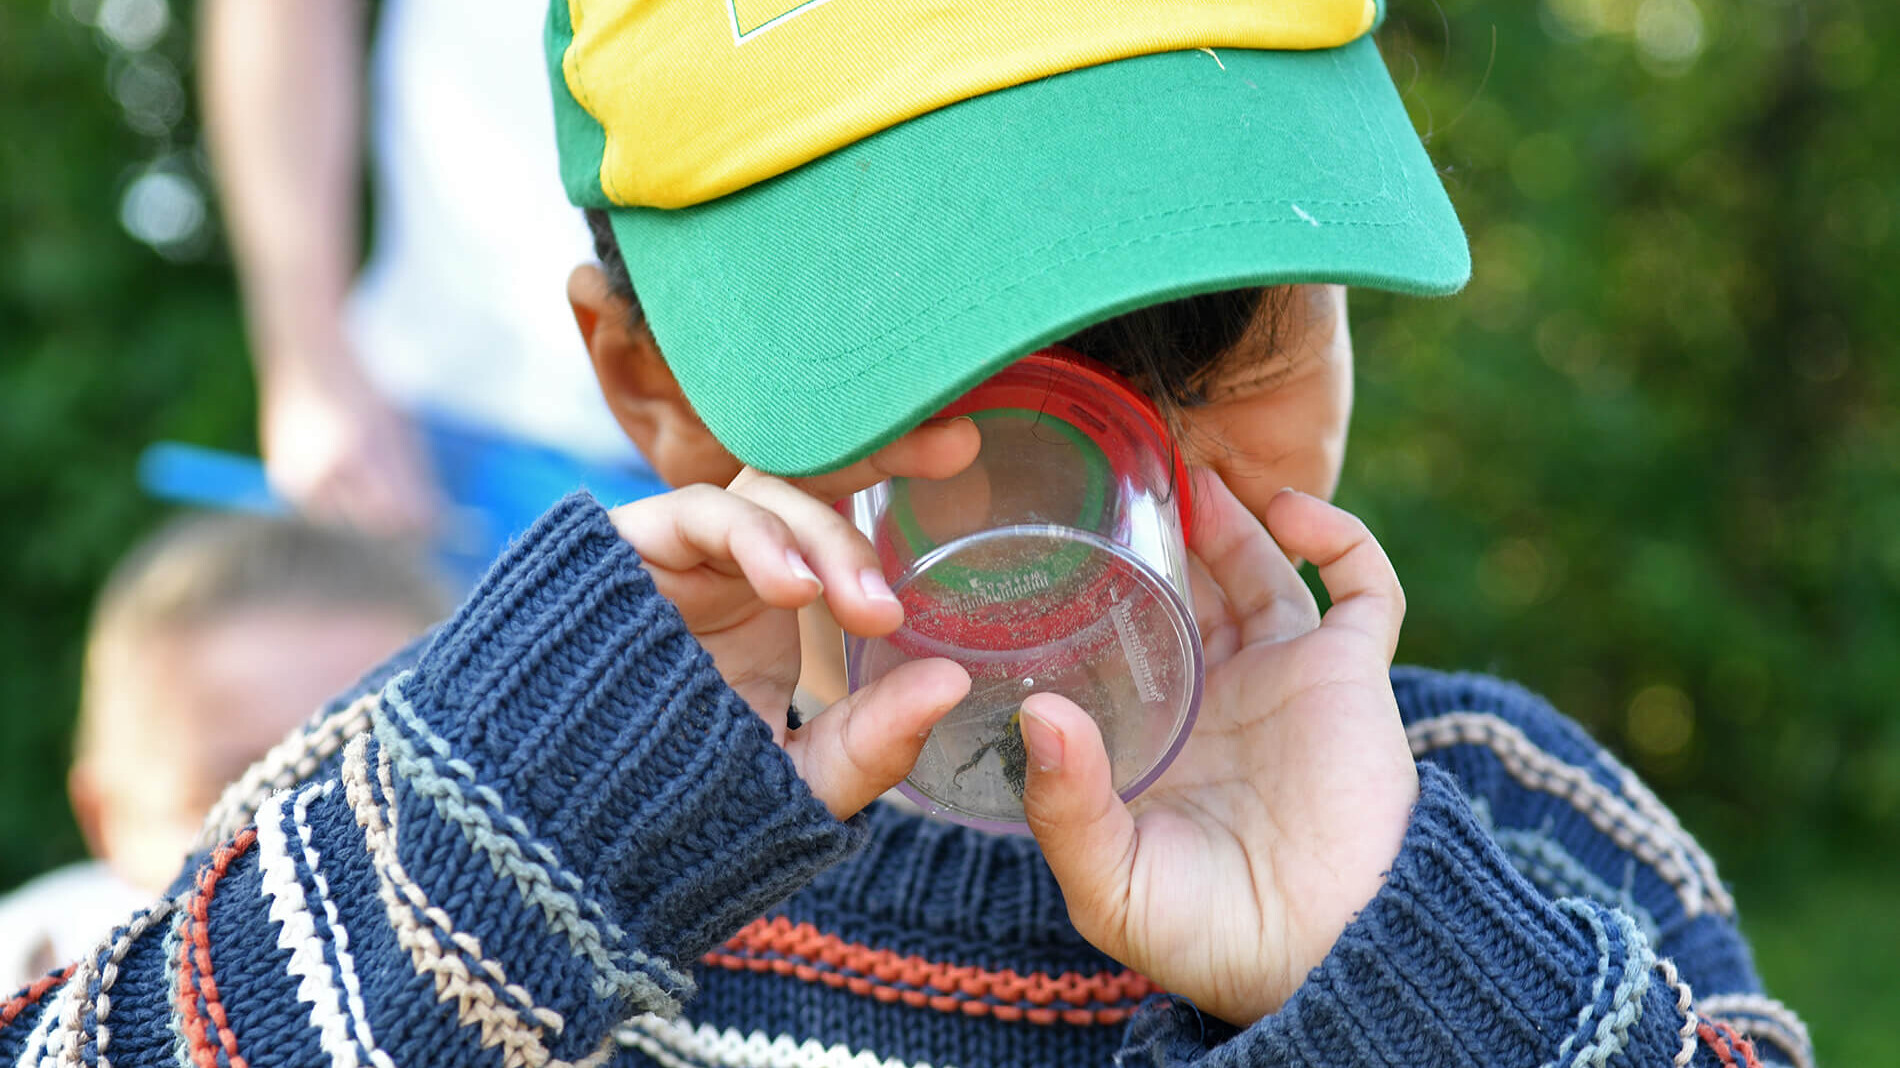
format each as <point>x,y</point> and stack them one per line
<point>1009,748</point>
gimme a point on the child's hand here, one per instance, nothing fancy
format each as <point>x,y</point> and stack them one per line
<point>1236,872</point>
<point>739,562</point>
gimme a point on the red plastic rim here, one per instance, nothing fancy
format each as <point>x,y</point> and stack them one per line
<point>1060,362</point>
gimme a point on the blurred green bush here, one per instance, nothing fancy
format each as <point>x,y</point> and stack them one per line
<point>105,346</point>
<point>1649,464</point>
<point>1651,459</point>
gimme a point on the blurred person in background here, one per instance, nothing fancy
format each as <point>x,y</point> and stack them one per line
<point>454,336</point>
<point>211,641</point>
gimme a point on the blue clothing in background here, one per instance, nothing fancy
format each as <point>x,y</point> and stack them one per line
<point>495,486</point>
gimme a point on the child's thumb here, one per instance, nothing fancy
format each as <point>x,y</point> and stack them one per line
<point>1086,832</point>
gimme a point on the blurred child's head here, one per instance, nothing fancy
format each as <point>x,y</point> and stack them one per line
<point>820,222</point>
<point>210,642</point>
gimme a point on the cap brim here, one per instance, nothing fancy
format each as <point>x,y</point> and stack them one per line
<point>813,318</point>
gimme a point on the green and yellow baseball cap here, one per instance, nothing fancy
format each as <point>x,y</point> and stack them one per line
<point>841,214</point>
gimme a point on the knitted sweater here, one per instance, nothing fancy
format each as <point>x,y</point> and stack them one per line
<point>554,836</point>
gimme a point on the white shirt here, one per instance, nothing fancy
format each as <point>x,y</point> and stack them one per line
<point>462,306</point>
<point>57,918</point>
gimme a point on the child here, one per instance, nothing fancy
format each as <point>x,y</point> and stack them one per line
<point>210,640</point>
<point>581,826</point>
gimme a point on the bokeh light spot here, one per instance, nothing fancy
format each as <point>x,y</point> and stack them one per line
<point>162,209</point>
<point>148,88</point>
<point>1669,33</point>
<point>1579,18</point>
<point>1844,58</point>
<point>1661,720</point>
<point>134,25</point>
<point>1518,572</point>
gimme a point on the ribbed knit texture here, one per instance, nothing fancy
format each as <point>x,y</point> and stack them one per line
<point>1452,936</point>
<point>549,814</point>
<point>576,691</point>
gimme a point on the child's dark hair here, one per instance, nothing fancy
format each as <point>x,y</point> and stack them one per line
<point>1170,351</point>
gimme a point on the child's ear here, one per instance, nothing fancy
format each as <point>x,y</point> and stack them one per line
<point>640,389</point>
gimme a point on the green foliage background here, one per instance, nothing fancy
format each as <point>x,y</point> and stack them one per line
<point>1649,464</point>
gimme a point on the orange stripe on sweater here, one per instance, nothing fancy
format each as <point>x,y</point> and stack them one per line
<point>194,964</point>
<point>803,952</point>
<point>31,996</point>
<point>1730,1047</point>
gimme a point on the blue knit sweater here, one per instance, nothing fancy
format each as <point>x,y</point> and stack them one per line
<point>554,836</point>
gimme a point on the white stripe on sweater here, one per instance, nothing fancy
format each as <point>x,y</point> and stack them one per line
<point>1646,802</point>
<point>297,932</point>
<point>678,1044</point>
<point>346,964</point>
<point>1539,770</point>
<point>40,1051</point>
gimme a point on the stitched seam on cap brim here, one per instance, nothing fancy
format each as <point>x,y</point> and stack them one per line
<point>880,340</point>
<point>991,295</point>
<point>738,422</point>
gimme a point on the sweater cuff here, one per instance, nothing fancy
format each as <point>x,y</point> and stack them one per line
<point>1456,960</point>
<point>1456,955</point>
<point>569,695</point>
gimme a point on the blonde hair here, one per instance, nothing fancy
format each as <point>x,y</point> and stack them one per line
<point>197,569</point>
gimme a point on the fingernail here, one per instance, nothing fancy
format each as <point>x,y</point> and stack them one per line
<point>801,569</point>
<point>1042,740</point>
<point>871,581</point>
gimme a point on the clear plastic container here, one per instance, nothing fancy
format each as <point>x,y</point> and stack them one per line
<point>1055,563</point>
